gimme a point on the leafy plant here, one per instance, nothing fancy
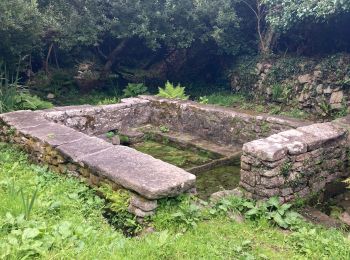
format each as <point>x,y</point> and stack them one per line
<point>108,101</point>
<point>164,129</point>
<point>110,134</point>
<point>172,92</point>
<point>203,100</point>
<point>27,101</point>
<point>274,211</point>
<point>134,89</point>
<point>285,168</point>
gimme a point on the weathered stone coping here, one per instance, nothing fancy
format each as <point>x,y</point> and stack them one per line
<point>127,167</point>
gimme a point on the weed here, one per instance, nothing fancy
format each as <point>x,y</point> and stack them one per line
<point>285,168</point>
<point>164,129</point>
<point>203,100</point>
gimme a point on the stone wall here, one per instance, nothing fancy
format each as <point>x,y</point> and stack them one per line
<point>294,163</point>
<point>215,123</point>
<point>94,120</point>
<point>320,86</point>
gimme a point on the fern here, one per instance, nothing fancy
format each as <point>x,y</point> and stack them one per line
<point>169,91</point>
<point>134,89</point>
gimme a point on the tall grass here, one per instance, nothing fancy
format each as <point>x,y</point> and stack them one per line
<point>8,90</point>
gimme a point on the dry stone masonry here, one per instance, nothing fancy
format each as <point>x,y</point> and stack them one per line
<point>294,163</point>
<point>294,159</point>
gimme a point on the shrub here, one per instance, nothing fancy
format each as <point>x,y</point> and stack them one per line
<point>134,89</point>
<point>172,92</point>
<point>26,101</point>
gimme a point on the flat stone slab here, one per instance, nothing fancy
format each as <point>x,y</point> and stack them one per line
<point>23,119</point>
<point>53,134</point>
<point>265,150</point>
<point>83,147</point>
<point>150,177</point>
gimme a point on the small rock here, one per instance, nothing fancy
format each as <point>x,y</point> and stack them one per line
<point>50,96</point>
<point>303,79</point>
<point>328,90</point>
<point>317,74</point>
<point>345,218</point>
<point>237,217</point>
<point>259,68</point>
<point>139,213</point>
<point>217,196</point>
<point>319,89</point>
<point>337,97</point>
<point>115,140</point>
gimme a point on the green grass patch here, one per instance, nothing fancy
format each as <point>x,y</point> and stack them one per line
<point>66,222</point>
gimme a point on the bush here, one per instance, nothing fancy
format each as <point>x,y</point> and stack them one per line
<point>172,92</point>
<point>134,89</point>
<point>25,101</point>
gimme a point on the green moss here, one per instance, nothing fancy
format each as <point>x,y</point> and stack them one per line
<point>178,157</point>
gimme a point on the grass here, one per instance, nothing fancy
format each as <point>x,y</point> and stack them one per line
<point>241,102</point>
<point>66,222</point>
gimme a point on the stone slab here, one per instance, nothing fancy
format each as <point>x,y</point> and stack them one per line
<point>265,150</point>
<point>83,147</point>
<point>53,134</point>
<point>324,131</point>
<point>147,176</point>
<point>23,119</point>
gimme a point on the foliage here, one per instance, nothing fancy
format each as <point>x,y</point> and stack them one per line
<point>164,129</point>
<point>67,222</point>
<point>172,92</point>
<point>284,14</point>
<point>25,101</point>
<point>134,89</point>
<point>16,97</point>
<point>203,100</point>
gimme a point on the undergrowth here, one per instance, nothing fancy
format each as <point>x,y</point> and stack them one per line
<point>65,221</point>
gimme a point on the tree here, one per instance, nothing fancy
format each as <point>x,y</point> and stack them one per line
<point>285,14</point>
<point>20,30</point>
<point>173,24</point>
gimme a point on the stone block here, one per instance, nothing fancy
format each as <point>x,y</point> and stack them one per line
<point>142,203</point>
<point>248,177</point>
<point>271,173</point>
<point>139,212</point>
<point>265,150</point>
<point>275,182</point>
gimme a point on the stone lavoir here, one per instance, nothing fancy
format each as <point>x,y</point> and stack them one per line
<point>290,159</point>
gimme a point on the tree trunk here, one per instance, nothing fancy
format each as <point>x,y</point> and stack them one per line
<point>112,58</point>
<point>46,62</point>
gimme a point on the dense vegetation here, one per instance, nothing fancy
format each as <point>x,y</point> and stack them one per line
<point>66,220</point>
<point>64,52</point>
<point>105,43</point>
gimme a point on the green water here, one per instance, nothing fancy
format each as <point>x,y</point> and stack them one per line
<point>181,158</point>
<point>217,179</point>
